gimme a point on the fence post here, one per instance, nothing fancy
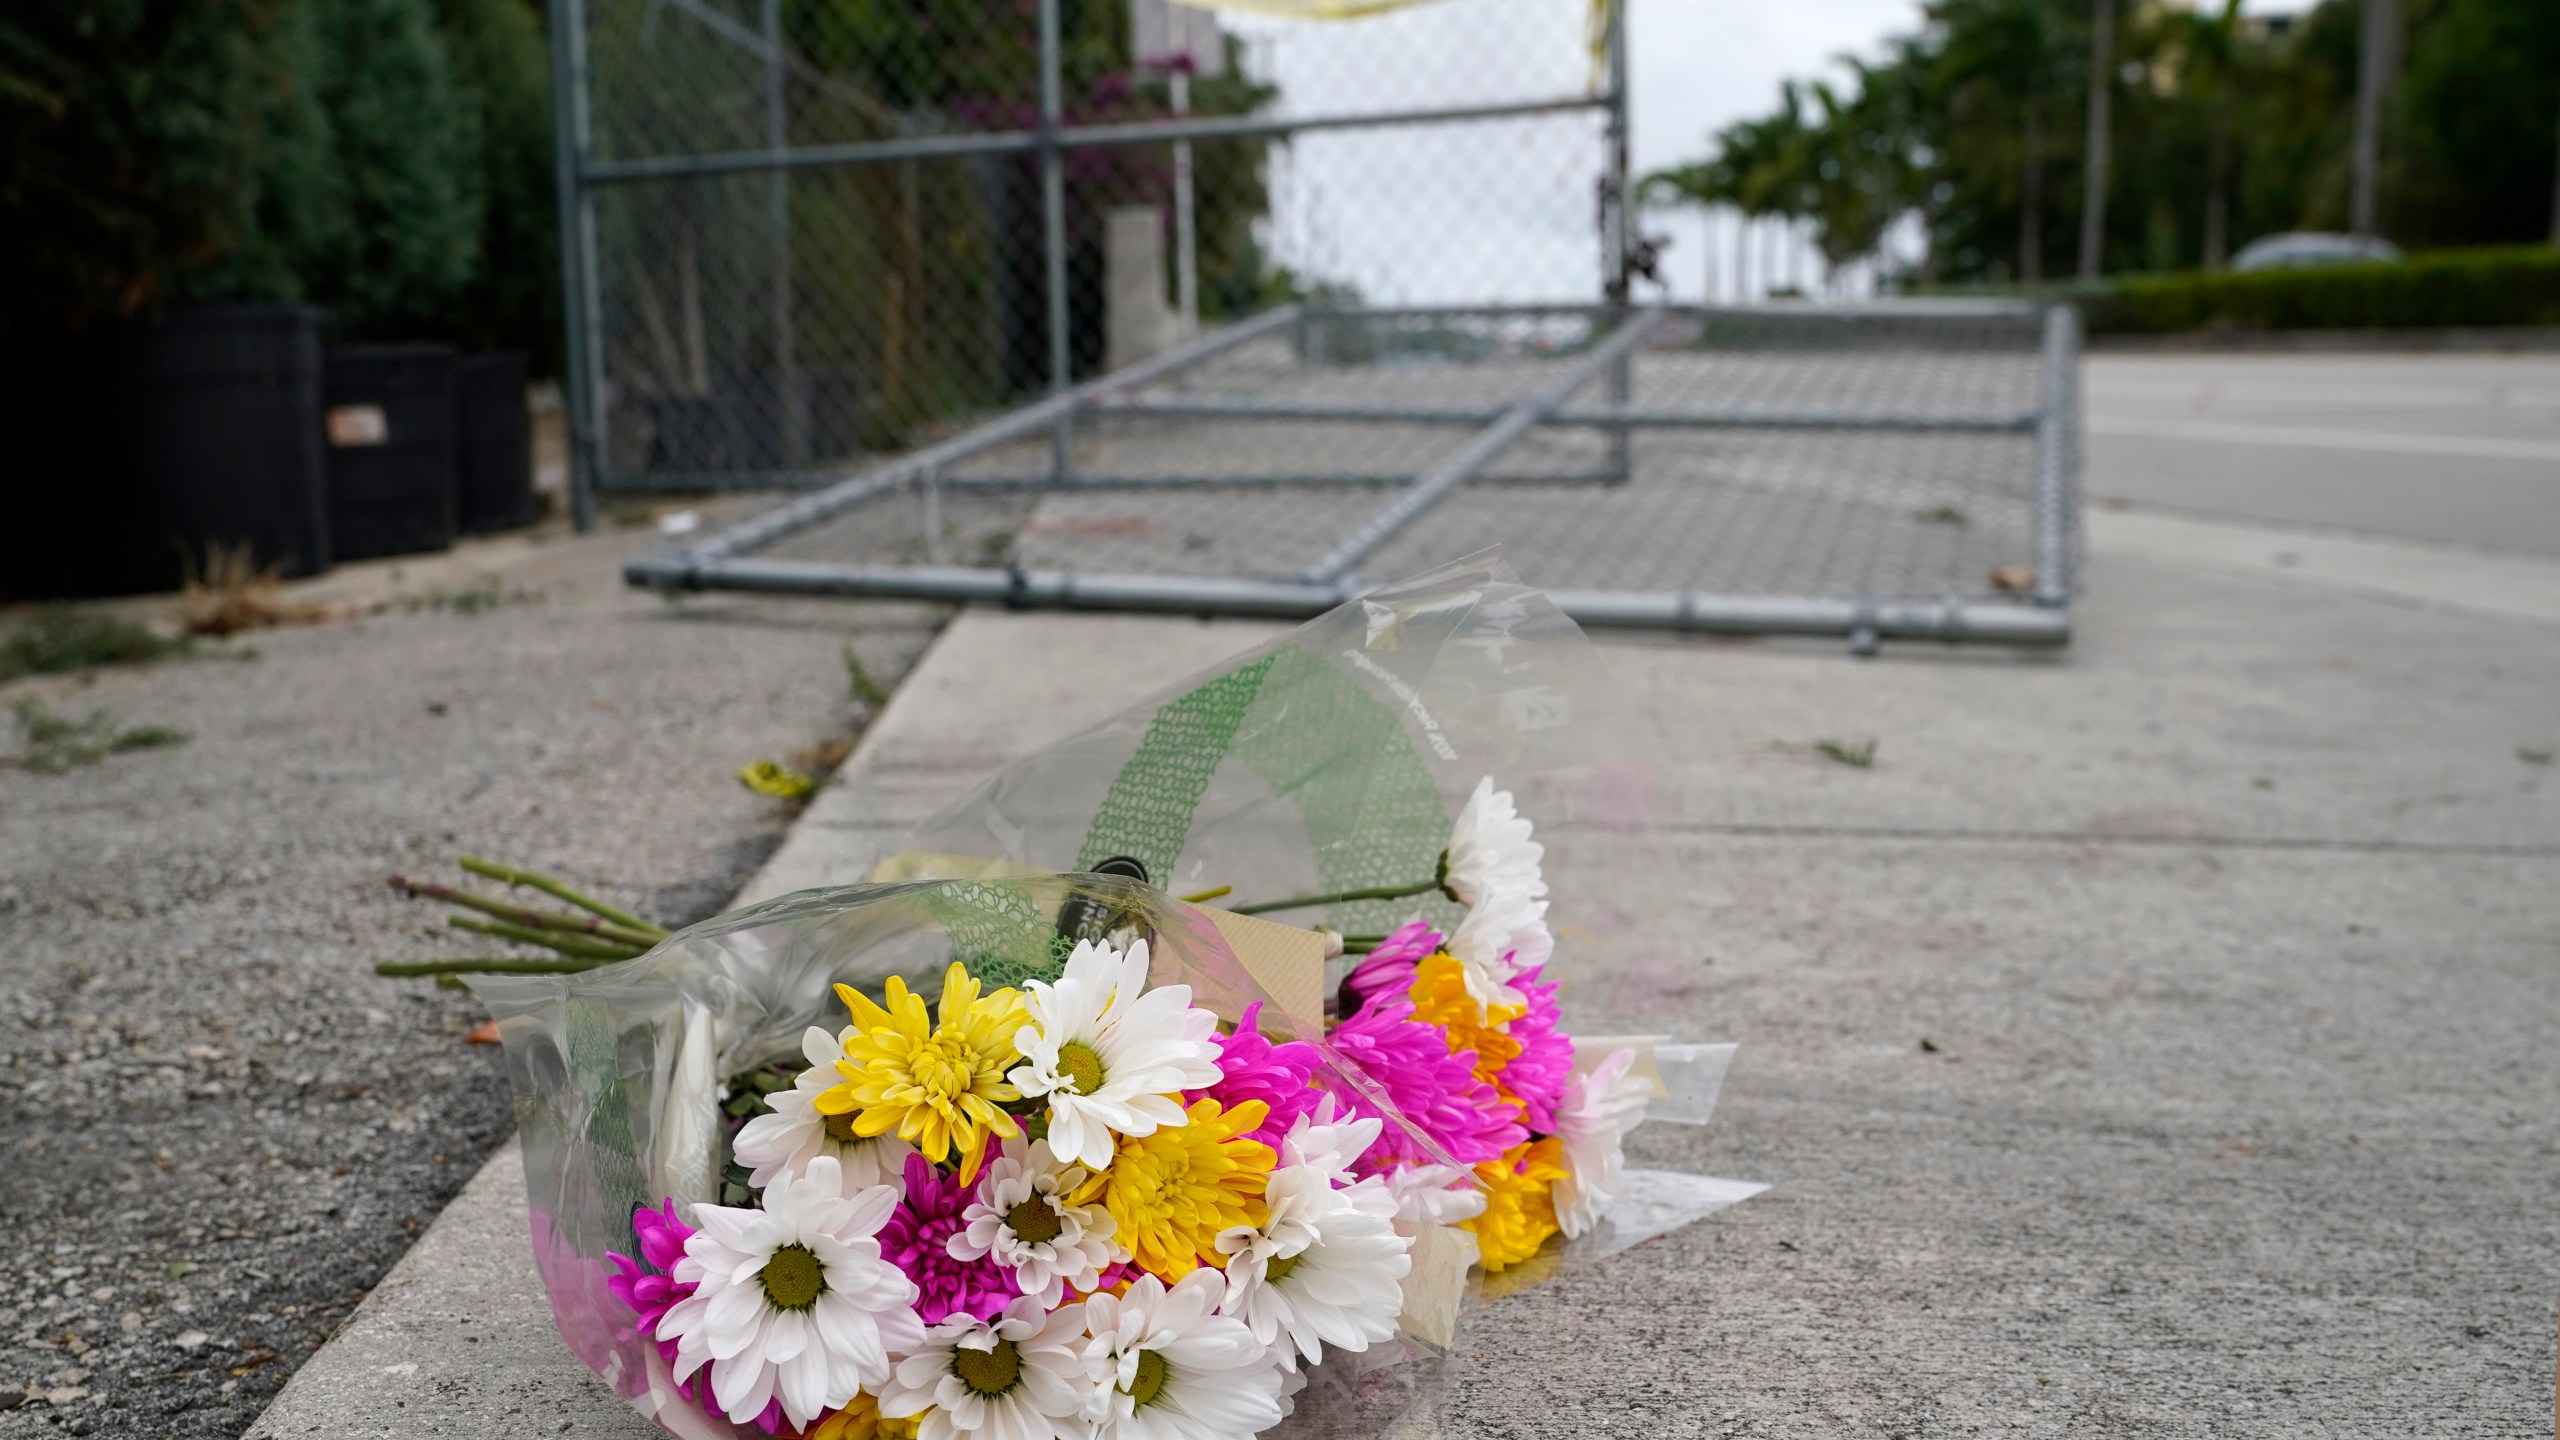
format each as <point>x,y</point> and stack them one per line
<point>1186,232</point>
<point>1053,228</point>
<point>2058,458</point>
<point>794,402</point>
<point>1619,238</point>
<point>569,144</point>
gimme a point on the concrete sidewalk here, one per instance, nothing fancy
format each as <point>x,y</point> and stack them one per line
<point>2153,1041</point>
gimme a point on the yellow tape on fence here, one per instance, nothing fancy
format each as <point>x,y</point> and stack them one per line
<point>1305,9</point>
<point>1603,14</point>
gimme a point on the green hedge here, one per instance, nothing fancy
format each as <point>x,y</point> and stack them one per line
<point>2517,285</point>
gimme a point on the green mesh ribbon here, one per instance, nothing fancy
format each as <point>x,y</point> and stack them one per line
<point>996,930</point>
<point>613,1158</point>
<point>1370,807</point>
<point>1147,814</point>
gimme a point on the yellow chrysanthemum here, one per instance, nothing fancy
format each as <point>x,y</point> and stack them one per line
<point>1519,1207</point>
<point>861,1419</point>
<point>938,1086</point>
<point>1171,1192</point>
<point>1440,997</point>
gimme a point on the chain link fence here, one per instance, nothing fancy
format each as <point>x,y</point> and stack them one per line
<point>808,233</point>
<point>1128,304</point>
<point>1882,471</point>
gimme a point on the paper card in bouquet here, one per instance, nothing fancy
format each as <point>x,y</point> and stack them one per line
<point>1009,1142</point>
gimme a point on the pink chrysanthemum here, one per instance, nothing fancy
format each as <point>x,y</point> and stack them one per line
<point>1435,1088</point>
<point>1388,970</point>
<point>1250,1067</point>
<point>917,1237</point>
<point>646,1286</point>
<point>1536,1076</point>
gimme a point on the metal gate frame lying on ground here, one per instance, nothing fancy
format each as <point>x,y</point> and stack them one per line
<point>728,559</point>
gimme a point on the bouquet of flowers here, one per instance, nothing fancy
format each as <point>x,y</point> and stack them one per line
<point>1008,1142</point>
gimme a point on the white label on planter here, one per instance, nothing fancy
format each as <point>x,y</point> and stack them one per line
<point>353,425</point>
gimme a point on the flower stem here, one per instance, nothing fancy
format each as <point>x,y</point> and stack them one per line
<point>1338,897</point>
<point>508,874</point>
<point>597,926</point>
<point>547,939</point>
<point>1205,896</point>
<point>484,965</point>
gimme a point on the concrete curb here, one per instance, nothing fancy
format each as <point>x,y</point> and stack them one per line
<point>457,1339</point>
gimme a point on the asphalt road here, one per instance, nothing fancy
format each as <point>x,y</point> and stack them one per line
<point>2463,448</point>
<point>217,1127</point>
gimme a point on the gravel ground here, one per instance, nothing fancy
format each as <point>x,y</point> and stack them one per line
<point>220,1127</point>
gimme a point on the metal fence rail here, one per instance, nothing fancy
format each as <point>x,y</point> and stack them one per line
<point>801,237</point>
<point>1875,472</point>
<point>911,261</point>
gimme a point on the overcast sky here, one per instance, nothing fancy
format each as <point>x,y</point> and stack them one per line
<point>1504,211</point>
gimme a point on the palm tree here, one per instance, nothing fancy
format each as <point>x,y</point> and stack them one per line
<point>2093,166</point>
<point>2205,47</point>
<point>1996,69</point>
<point>1749,171</point>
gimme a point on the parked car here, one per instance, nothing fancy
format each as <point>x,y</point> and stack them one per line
<point>2311,247</point>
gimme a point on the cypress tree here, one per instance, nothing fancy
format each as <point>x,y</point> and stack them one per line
<point>131,142</point>
<point>406,150</point>
<point>502,69</point>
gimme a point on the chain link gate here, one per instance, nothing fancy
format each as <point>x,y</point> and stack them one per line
<point>814,243</point>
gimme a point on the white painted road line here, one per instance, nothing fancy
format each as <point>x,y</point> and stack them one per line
<point>2306,437</point>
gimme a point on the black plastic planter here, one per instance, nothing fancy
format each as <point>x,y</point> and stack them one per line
<point>144,446</point>
<point>493,479</point>
<point>390,429</point>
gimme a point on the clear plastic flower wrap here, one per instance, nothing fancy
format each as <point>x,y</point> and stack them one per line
<point>624,1073</point>
<point>1007,1141</point>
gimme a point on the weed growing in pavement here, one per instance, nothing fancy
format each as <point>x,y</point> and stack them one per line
<point>58,743</point>
<point>234,593</point>
<point>59,639</point>
<point>858,684</point>
<point>478,598</point>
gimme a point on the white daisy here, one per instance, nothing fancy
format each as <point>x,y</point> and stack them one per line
<point>1022,1215</point>
<point>1168,1366</point>
<point>794,1301</point>
<point>1109,1053</point>
<point>1503,935</point>
<point>1022,1377</point>
<point>1322,1271</point>
<point>1491,867</point>
<point>1434,1194</point>
<point>1490,852</point>
<point>1326,1141</point>
<point>780,1145</point>
<point>1600,1106</point>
